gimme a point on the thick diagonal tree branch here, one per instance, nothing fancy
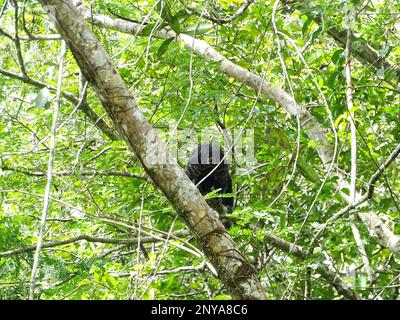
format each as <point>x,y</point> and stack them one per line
<point>235,272</point>
<point>360,49</point>
<point>366,54</point>
<point>313,129</point>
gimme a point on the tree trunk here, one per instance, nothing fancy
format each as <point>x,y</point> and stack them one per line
<point>235,272</point>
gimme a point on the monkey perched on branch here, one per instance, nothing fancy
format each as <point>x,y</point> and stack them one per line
<point>208,174</point>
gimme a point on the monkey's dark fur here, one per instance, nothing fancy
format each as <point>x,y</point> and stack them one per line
<point>203,160</point>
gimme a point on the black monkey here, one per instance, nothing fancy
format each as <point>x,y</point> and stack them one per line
<point>202,161</point>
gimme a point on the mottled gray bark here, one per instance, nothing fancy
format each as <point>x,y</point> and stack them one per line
<point>235,272</point>
<point>308,122</point>
<point>313,129</point>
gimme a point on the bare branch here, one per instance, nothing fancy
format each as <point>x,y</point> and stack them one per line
<point>313,129</point>
<point>6,34</point>
<point>46,198</point>
<point>388,239</point>
<point>361,50</point>
<point>350,106</point>
<point>84,237</point>
<point>353,146</point>
<point>366,54</point>
<point>363,252</point>
<point>221,21</point>
<point>92,173</point>
<point>375,177</point>
<point>235,272</point>
<point>329,275</point>
<point>3,9</point>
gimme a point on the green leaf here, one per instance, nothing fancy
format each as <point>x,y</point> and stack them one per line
<point>146,31</point>
<point>164,11</point>
<point>164,46</point>
<point>199,29</point>
<point>331,82</point>
<point>182,14</point>
<point>175,25</point>
<point>316,33</point>
<point>307,171</point>
<point>282,220</point>
<point>306,24</point>
<point>337,55</point>
<point>42,98</point>
<point>280,138</point>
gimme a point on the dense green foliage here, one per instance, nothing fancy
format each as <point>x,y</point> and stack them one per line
<point>91,195</point>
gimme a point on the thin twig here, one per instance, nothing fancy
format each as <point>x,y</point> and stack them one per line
<point>92,115</point>
<point>46,200</point>
<point>363,252</point>
<point>353,144</point>
<point>16,40</point>
<point>241,10</point>
<point>374,178</point>
<point>3,9</point>
<point>84,237</point>
<point>92,173</point>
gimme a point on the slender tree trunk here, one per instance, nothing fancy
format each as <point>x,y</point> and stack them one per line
<point>235,272</point>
